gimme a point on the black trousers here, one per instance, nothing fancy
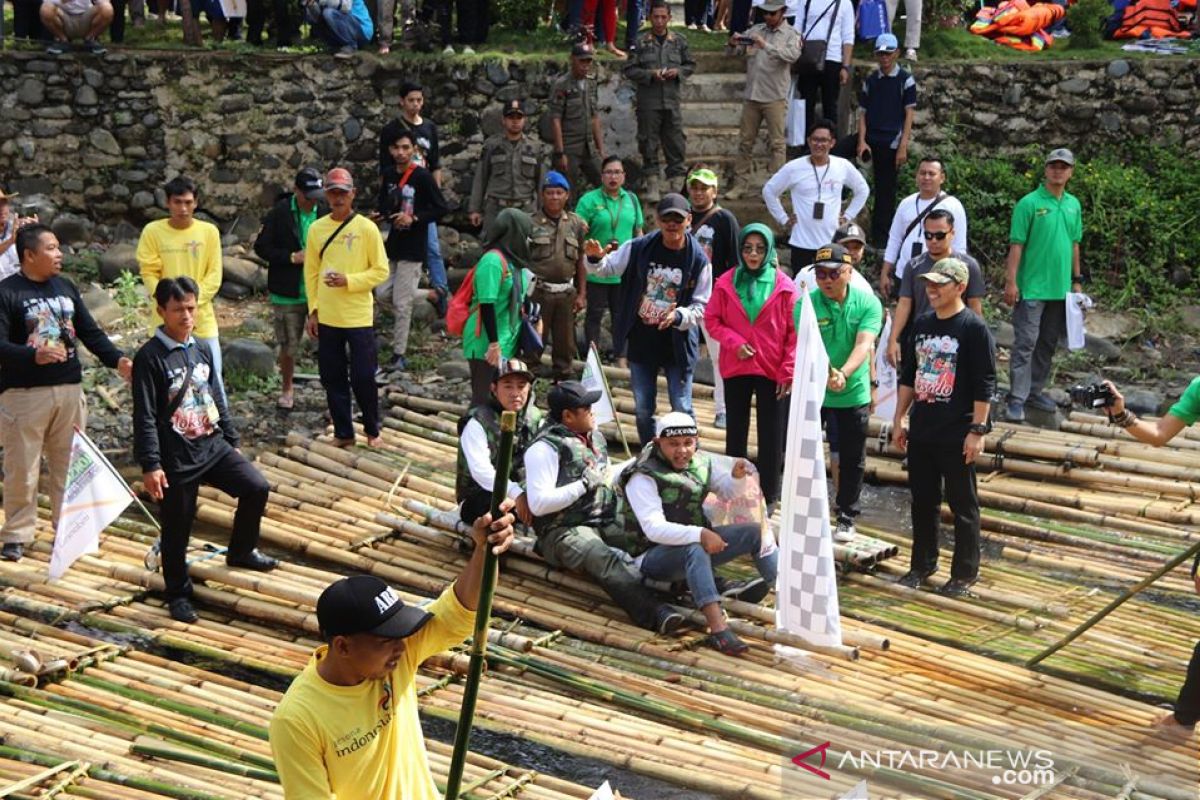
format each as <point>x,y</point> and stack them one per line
<point>481,380</point>
<point>850,443</point>
<point>286,24</point>
<point>739,390</point>
<point>929,467</point>
<point>26,22</point>
<point>883,166</point>
<point>601,297</point>
<point>346,360</point>
<point>1187,707</point>
<point>825,86</point>
<point>473,21</point>
<point>801,258</point>
<point>236,477</point>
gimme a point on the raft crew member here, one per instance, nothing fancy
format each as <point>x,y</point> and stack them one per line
<point>575,510</point>
<point>665,489</point>
<point>479,435</point>
<point>347,726</point>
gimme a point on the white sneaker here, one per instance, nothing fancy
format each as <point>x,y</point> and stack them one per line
<point>468,51</point>
<point>845,531</point>
<point>691,26</point>
<point>448,51</point>
<point>910,54</point>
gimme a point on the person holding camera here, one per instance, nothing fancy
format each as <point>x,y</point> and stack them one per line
<point>1183,719</point>
<point>10,223</point>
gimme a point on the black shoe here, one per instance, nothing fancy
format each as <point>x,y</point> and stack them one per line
<point>668,621</point>
<point>914,578</point>
<point>957,587</point>
<point>748,591</point>
<point>727,642</point>
<point>12,551</point>
<point>94,47</point>
<point>253,560</point>
<point>182,611</point>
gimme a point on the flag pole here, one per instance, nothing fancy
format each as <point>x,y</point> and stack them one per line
<point>608,390</point>
<point>108,464</point>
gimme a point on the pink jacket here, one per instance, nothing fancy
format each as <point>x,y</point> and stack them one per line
<point>772,335</point>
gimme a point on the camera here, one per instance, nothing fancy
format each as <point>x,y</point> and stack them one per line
<point>1095,395</point>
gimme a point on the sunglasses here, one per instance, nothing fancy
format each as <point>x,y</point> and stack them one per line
<point>754,248</point>
<point>938,235</point>
<point>827,274</point>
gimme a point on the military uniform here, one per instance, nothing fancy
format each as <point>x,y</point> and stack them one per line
<point>509,175</point>
<point>659,118</point>
<point>575,102</point>
<point>555,249</point>
<point>474,498</point>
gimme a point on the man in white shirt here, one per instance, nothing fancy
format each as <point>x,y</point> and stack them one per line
<point>828,22</point>
<point>10,223</point>
<point>74,20</point>
<point>665,489</point>
<point>906,236</point>
<point>575,510</point>
<point>816,183</point>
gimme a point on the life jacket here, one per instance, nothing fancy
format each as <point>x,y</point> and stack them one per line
<point>1150,19</point>
<point>1018,24</point>
<point>597,508</point>
<point>529,421</point>
<point>682,492</point>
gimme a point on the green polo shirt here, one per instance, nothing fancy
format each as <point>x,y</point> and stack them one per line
<point>840,324</point>
<point>304,220</point>
<point>1048,228</point>
<point>610,218</point>
<point>1187,408</point>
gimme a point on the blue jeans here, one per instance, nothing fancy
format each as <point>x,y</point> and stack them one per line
<point>217,382</point>
<point>433,257</point>
<point>643,379</point>
<point>340,29</point>
<point>674,562</point>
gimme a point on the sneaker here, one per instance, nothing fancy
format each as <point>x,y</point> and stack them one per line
<point>748,591</point>
<point>720,421</point>
<point>12,551</point>
<point>94,47</point>
<point>384,49</point>
<point>346,52</point>
<point>1042,402</point>
<point>182,611</point>
<point>254,560</point>
<point>914,578</point>
<point>1014,411</point>
<point>845,531</point>
<point>691,26</point>
<point>705,29</point>
<point>910,54</point>
<point>772,508</point>
<point>381,378</point>
<point>153,558</point>
<point>957,587</point>
<point>668,621</point>
<point>468,51</point>
<point>399,364</point>
<point>727,642</point>
<point>57,48</point>
<point>448,50</point>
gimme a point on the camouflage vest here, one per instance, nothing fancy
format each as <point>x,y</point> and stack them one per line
<point>682,492</point>
<point>529,422</point>
<point>597,507</point>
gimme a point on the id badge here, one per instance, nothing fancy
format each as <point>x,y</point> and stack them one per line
<point>818,211</point>
<point>917,247</point>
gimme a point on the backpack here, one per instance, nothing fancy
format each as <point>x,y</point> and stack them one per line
<point>872,19</point>
<point>460,308</point>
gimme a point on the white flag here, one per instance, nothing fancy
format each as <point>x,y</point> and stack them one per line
<point>859,792</point>
<point>93,497</point>
<point>593,378</point>
<point>806,595</point>
<point>605,792</point>
<point>885,373</point>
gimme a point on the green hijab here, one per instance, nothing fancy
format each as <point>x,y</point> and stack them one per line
<point>754,286</point>
<point>510,232</point>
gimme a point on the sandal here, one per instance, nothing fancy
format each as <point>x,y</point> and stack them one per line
<point>727,642</point>
<point>286,401</point>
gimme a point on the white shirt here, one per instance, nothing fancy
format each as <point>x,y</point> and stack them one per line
<point>643,497</point>
<point>542,491</point>
<point>807,184</point>
<point>814,30</point>
<point>479,463</point>
<point>806,280</point>
<point>900,247</point>
<point>8,259</point>
<point>692,314</point>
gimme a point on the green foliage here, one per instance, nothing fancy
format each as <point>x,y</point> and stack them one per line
<point>84,266</point>
<point>519,15</point>
<point>239,381</point>
<point>1084,19</point>
<point>129,293</point>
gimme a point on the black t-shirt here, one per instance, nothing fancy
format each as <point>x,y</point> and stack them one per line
<point>950,364</point>
<point>427,140</point>
<point>664,280</point>
<point>718,236</point>
<point>422,193</point>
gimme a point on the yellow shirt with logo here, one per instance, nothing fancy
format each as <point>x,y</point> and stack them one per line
<point>195,251</point>
<point>357,252</point>
<point>363,742</point>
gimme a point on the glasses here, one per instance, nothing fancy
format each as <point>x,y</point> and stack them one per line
<point>820,140</point>
<point>760,249</point>
<point>670,219</point>
<point>613,172</point>
<point>827,274</point>
<point>938,235</point>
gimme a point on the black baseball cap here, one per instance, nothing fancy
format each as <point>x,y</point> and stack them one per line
<point>568,395</point>
<point>309,184</point>
<point>514,108</point>
<point>365,604</point>
<point>673,203</point>
<point>832,255</point>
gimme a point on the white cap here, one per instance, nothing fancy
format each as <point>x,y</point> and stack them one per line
<point>676,423</point>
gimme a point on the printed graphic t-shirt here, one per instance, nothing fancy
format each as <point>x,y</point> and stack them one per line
<point>664,280</point>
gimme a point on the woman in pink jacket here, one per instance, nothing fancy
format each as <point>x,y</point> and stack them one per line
<point>750,314</point>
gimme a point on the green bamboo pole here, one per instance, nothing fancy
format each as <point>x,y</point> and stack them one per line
<point>483,611</point>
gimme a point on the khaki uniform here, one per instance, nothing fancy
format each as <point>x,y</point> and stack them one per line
<point>659,118</point>
<point>555,248</point>
<point>509,175</point>
<point>768,83</point>
<point>575,103</point>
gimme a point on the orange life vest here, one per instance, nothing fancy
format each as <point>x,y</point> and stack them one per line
<point>1150,18</point>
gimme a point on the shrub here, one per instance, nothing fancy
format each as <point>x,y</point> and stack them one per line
<point>520,15</point>
<point>1085,19</point>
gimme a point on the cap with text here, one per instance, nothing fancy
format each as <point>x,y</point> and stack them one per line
<point>365,604</point>
<point>948,270</point>
<point>886,43</point>
<point>309,184</point>
<point>675,423</point>
<point>339,178</point>
<point>832,255</point>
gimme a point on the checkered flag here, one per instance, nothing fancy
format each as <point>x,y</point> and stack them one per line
<point>807,602</point>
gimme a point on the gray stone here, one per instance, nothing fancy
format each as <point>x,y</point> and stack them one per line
<point>106,311</point>
<point>233,103</point>
<point>455,370</point>
<point>1114,325</point>
<point>352,129</point>
<point>117,259</point>
<point>1142,401</point>
<point>1110,121</point>
<point>86,96</point>
<point>93,78</point>
<point>1118,69</point>
<point>247,356</point>
<point>1002,332</point>
<point>1190,316</point>
<point>225,175</point>
<point>233,291</point>
<point>73,229</point>
<point>497,73</point>
<point>422,312</point>
<point>104,141</point>
<point>1101,348</point>
<point>244,272</point>
<point>141,200</point>
<point>31,92</point>
<point>1075,85</point>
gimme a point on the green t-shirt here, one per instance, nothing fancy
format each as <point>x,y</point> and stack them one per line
<point>1048,229</point>
<point>840,324</point>
<point>1187,408</point>
<point>493,284</point>
<point>304,219</point>
<point>610,218</point>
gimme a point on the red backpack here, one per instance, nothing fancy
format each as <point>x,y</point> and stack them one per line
<point>461,308</point>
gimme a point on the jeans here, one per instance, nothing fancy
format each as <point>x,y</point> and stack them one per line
<point>333,364</point>
<point>851,447</point>
<point>433,259</point>
<point>339,29</point>
<point>633,21</point>
<point>217,382</point>
<point>1187,707</point>
<point>674,562</point>
<point>236,477</point>
<point>929,465</point>
<point>583,549</point>
<point>643,379</point>
<point>1037,327</point>
<point>883,165</point>
<point>740,390</point>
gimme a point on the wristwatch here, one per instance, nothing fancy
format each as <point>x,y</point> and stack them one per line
<point>980,428</point>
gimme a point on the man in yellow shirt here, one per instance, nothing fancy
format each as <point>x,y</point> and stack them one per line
<point>344,259</point>
<point>183,245</point>
<point>348,727</point>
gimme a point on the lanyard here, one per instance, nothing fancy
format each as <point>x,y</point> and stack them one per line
<point>614,218</point>
<point>820,179</point>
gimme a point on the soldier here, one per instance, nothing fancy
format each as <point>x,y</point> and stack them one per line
<point>560,279</point>
<point>509,172</point>
<point>659,64</point>
<point>575,119</point>
<point>479,434</point>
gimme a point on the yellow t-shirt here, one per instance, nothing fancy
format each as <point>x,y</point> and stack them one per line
<point>363,742</point>
<point>195,251</point>
<point>357,252</point>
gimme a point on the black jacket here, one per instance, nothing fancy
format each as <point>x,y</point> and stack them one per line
<point>278,239</point>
